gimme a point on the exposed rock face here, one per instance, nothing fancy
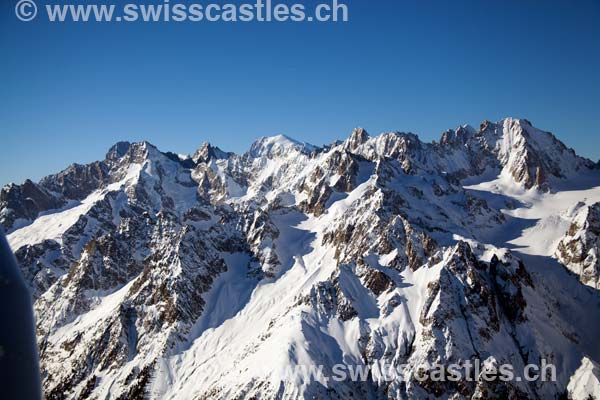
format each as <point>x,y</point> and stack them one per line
<point>529,155</point>
<point>359,137</point>
<point>457,137</point>
<point>208,152</point>
<point>484,302</point>
<point>25,202</point>
<point>163,276</point>
<point>78,181</point>
<point>579,250</point>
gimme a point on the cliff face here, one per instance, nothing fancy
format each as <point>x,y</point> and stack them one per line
<point>580,247</point>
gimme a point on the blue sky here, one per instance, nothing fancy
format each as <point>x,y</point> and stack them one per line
<point>69,91</point>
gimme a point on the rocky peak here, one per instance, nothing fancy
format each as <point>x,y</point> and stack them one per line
<point>24,202</point>
<point>126,152</point>
<point>77,181</point>
<point>358,137</point>
<point>209,152</point>
<point>118,150</point>
<point>397,145</point>
<point>458,136</point>
<point>531,156</point>
<point>486,125</point>
<point>579,249</point>
<point>273,146</point>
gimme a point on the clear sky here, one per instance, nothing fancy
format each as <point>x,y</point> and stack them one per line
<point>69,91</point>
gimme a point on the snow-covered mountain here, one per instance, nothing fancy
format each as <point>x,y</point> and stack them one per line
<point>157,275</point>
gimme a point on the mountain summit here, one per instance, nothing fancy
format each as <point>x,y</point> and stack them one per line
<point>162,276</point>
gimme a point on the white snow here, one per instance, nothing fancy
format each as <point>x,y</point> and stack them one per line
<point>218,347</point>
<point>272,145</point>
<point>52,225</point>
<point>105,306</point>
<point>542,219</point>
<point>585,382</point>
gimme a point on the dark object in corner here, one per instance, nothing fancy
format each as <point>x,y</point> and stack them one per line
<point>19,366</point>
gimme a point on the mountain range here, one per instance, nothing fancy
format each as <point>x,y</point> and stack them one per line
<point>207,276</point>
